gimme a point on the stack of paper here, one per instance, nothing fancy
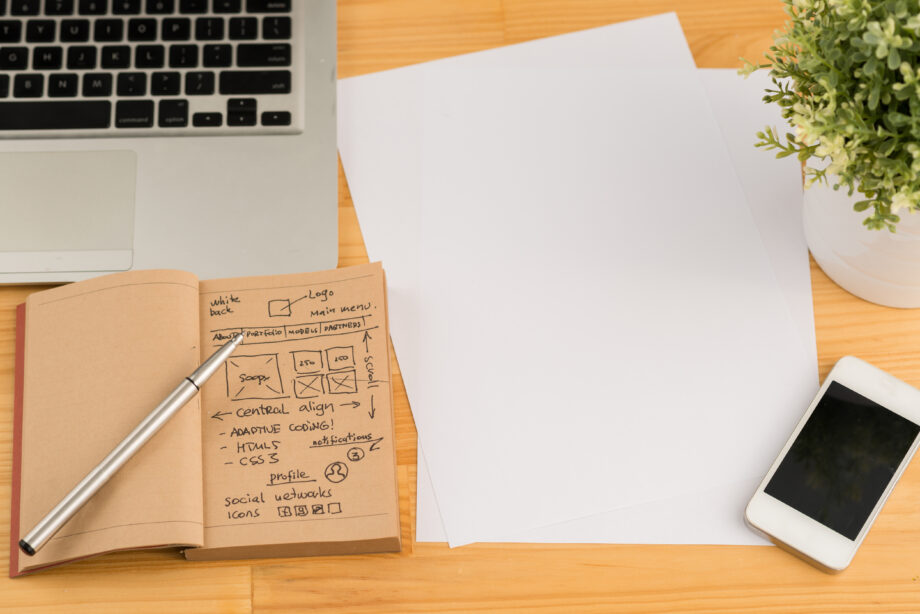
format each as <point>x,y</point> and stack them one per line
<point>600,294</point>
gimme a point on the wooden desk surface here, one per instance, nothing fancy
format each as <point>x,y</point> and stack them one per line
<point>381,34</point>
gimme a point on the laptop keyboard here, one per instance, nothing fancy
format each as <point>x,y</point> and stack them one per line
<point>149,67</point>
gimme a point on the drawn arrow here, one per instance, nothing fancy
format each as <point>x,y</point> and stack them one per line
<point>367,336</point>
<point>217,415</point>
<point>354,404</point>
<point>373,409</point>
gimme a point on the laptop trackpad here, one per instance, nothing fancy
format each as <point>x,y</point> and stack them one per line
<point>67,211</point>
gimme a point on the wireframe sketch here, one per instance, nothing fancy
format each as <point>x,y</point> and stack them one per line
<point>308,361</point>
<point>342,382</point>
<point>338,358</point>
<point>308,386</point>
<point>254,377</point>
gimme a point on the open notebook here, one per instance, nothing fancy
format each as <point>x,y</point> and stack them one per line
<point>288,450</point>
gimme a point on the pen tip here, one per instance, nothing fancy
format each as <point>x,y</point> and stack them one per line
<point>24,545</point>
<point>238,338</point>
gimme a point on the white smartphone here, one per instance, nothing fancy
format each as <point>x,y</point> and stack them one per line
<point>831,479</point>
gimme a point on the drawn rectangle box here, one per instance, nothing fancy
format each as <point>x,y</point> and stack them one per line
<point>342,382</point>
<point>254,377</point>
<point>308,386</point>
<point>307,361</point>
<point>338,358</point>
<point>279,308</point>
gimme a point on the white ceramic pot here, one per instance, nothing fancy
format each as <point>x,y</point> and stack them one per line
<point>875,265</point>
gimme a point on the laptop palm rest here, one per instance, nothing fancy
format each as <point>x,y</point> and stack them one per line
<point>67,211</point>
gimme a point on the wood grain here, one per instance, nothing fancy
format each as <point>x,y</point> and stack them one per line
<point>377,35</point>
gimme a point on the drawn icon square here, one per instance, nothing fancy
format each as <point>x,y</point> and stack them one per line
<point>284,511</point>
<point>308,386</point>
<point>301,510</point>
<point>338,358</point>
<point>279,308</point>
<point>254,377</point>
<point>318,508</point>
<point>308,361</point>
<point>335,508</point>
<point>342,382</point>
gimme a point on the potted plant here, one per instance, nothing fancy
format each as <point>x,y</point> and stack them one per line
<point>847,76</point>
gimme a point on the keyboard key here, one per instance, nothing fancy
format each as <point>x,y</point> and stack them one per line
<point>244,28</point>
<point>149,56</point>
<point>40,31</point>
<point>173,114</point>
<point>276,118</point>
<point>4,86</point>
<point>116,56</point>
<point>134,114</point>
<point>93,7</point>
<point>81,57</point>
<point>160,7</point>
<point>255,82</point>
<point>199,83</point>
<point>268,6</point>
<point>132,84</point>
<point>62,86</point>
<point>228,6</point>
<point>277,54</point>
<point>193,6</point>
<point>217,55</point>
<point>56,115</point>
<point>109,30</point>
<point>183,56</point>
<point>47,58</point>
<point>276,28</point>
<point>97,84</point>
<point>28,86</point>
<point>58,7</point>
<point>207,120</point>
<point>126,7</point>
<point>25,7</point>
<point>74,30</point>
<point>209,28</point>
<point>241,112</point>
<point>177,29</point>
<point>165,83</point>
<point>14,58</point>
<point>142,29</point>
<point>10,31</point>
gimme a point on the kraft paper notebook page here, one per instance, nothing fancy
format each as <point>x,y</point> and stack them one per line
<point>287,451</point>
<point>576,503</point>
<point>774,191</point>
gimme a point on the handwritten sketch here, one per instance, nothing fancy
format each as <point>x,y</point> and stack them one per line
<point>342,382</point>
<point>340,357</point>
<point>335,508</point>
<point>355,454</point>
<point>308,386</point>
<point>336,472</point>
<point>300,510</point>
<point>254,377</point>
<point>308,361</point>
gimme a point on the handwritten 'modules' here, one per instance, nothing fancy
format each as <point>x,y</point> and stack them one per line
<point>298,443</point>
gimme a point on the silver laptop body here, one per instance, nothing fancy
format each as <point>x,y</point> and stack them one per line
<point>237,179</point>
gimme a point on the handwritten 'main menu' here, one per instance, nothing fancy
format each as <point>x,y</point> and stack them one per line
<point>297,431</point>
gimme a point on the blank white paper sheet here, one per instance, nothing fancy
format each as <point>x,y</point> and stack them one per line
<point>584,312</point>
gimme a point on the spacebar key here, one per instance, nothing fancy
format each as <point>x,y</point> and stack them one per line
<point>55,115</point>
<point>255,82</point>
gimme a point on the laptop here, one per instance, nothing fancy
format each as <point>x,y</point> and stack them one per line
<point>185,134</point>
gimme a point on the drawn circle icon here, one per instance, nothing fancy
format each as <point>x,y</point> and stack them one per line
<point>336,472</point>
<point>355,454</point>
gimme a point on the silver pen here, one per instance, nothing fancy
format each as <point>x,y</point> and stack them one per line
<point>94,480</point>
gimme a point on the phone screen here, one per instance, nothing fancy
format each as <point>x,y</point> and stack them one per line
<point>842,460</point>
